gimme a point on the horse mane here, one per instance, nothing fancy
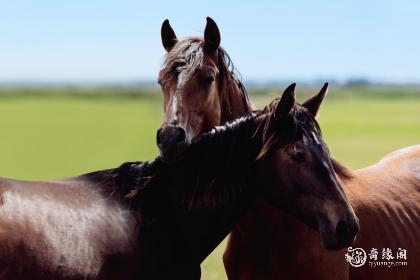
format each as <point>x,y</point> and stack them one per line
<point>270,137</point>
<point>226,162</point>
<point>188,53</point>
<point>124,182</point>
<point>342,171</point>
<point>207,175</point>
<point>212,169</point>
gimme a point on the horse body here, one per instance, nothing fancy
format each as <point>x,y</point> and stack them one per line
<point>59,230</point>
<point>386,199</point>
<point>91,227</point>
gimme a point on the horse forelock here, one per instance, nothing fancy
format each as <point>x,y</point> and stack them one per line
<point>303,120</point>
<point>188,55</point>
<point>308,126</point>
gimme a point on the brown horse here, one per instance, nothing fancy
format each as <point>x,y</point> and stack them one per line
<point>160,221</point>
<point>386,199</point>
<point>200,89</point>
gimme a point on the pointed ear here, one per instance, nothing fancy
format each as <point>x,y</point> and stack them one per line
<point>211,36</point>
<point>314,102</point>
<point>168,36</point>
<point>286,102</point>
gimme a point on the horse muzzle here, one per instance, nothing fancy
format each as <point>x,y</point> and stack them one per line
<point>338,235</point>
<point>172,141</point>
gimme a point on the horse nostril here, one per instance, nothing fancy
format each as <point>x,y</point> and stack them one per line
<point>342,230</point>
<point>158,138</point>
<point>179,134</point>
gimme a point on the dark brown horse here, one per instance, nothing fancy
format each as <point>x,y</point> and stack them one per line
<point>386,199</point>
<point>200,89</point>
<point>156,220</point>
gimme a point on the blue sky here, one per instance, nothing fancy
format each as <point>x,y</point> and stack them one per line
<point>93,40</point>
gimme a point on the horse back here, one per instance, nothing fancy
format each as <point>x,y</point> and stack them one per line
<point>386,198</point>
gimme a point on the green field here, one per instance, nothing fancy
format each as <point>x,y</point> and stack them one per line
<point>62,132</point>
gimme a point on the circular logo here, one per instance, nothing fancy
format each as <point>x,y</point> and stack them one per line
<point>356,257</point>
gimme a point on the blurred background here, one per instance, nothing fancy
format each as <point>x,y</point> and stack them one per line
<point>78,87</point>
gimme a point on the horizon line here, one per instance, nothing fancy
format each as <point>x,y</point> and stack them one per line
<point>255,81</point>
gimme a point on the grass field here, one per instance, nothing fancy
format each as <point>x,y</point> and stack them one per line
<point>62,132</point>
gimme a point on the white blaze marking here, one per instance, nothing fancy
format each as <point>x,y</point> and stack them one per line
<point>175,106</point>
<point>177,97</point>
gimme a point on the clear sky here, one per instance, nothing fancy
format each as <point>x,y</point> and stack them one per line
<point>91,40</point>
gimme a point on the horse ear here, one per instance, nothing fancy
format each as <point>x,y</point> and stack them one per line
<point>314,102</point>
<point>211,36</point>
<point>286,102</point>
<point>168,36</point>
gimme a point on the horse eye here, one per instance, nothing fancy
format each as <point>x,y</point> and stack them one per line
<point>301,118</point>
<point>297,156</point>
<point>209,79</point>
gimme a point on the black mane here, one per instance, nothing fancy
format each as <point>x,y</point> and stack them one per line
<point>190,205</point>
<point>202,178</point>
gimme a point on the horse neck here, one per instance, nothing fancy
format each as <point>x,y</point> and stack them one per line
<point>343,173</point>
<point>208,193</point>
<point>235,102</point>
